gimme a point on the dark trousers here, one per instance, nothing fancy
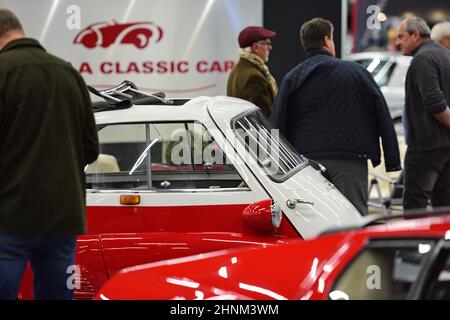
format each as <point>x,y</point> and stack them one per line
<point>427,177</point>
<point>50,259</point>
<point>350,178</point>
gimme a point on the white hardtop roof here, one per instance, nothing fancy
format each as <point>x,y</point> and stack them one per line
<point>195,109</point>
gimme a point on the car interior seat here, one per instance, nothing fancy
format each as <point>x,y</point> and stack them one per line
<point>105,163</point>
<point>359,281</point>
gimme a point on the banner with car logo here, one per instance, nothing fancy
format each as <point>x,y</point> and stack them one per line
<point>185,48</point>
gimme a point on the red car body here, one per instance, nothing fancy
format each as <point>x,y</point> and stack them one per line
<point>116,239</point>
<point>296,270</point>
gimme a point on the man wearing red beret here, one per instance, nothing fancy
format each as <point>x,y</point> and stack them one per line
<point>250,79</point>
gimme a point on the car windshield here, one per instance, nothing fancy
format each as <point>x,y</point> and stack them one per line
<point>386,269</point>
<point>271,151</point>
<point>381,69</point>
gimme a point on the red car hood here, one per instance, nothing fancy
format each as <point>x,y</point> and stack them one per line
<point>285,271</point>
<point>288,271</point>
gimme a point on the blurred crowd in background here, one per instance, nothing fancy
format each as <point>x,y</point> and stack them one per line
<point>381,36</point>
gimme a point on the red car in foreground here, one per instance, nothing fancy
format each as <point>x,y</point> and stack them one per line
<point>406,259</point>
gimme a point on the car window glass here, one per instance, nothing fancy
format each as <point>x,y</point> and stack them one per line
<point>398,76</point>
<point>439,284</point>
<point>160,156</point>
<point>382,271</point>
<point>267,147</point>
<point>381,69</point>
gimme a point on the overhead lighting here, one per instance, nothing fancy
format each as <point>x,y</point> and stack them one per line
<point>263,291</point>
<point>437,16</point>
<point>382,17</point>
<point>223,272</point>
<point>339,295</point>
<point>183,282</point>
<point>408,14</point>
<point>424,248</point>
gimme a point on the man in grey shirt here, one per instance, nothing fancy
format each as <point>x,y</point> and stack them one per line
<point>427,161</point>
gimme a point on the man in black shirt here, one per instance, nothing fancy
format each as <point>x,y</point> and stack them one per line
<point>427,161</point>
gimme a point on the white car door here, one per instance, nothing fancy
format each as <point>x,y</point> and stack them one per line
<point>307,198</point>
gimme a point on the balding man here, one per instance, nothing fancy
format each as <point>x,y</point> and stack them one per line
<point>441,33</point>
<point>427,161</point>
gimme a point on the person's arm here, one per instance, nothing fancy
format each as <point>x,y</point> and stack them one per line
<point>388,135</point>
<point>1,104</point>
<point>90,137</point>
<point>433,98</point>
<point>443,117</point>
<point>385,125</point>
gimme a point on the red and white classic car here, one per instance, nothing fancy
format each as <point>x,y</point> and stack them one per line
<point>407,259</point>
<point>174,177</point>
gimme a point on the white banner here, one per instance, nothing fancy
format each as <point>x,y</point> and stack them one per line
<point>185,48</point>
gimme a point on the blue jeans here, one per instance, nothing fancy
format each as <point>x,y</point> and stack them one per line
<point>50,258</point>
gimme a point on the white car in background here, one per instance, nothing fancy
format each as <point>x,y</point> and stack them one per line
<point>389,71</point>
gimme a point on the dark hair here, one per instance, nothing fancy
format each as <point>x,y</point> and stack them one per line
<point>313,32</point>
<point>8,22</point>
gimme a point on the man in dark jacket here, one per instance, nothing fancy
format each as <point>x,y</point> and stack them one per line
<point>250,79</point>
<point>427,160</point>
<point>332,111</point>
<point>47,137</point>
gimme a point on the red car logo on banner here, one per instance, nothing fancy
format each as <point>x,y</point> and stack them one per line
<point>103,34</point>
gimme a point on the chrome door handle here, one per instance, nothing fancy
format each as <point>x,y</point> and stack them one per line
<point>292,202</point>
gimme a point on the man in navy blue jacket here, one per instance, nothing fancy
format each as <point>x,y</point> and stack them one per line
<point>332,111</point>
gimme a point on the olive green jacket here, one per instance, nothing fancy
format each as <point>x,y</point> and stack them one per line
<point>47,136</point>
<point>247,82</point>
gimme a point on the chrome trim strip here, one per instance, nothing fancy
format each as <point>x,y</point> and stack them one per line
<point>95,191</point>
